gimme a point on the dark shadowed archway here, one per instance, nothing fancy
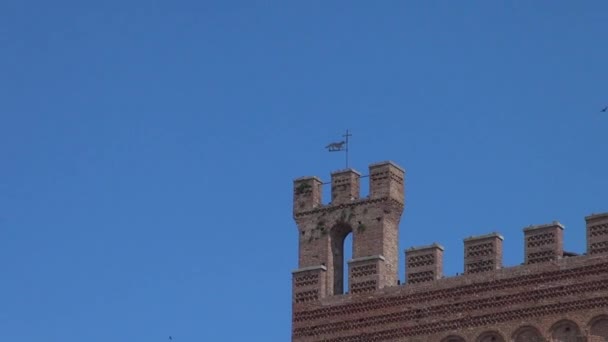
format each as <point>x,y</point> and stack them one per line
<point>338,234</point>
<point>527,333</point>
<point>598,328</point>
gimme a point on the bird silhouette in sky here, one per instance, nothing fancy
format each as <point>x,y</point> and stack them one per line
<point>605,109</point>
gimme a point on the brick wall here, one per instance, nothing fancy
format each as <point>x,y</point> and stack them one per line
<point>513,304</point>
<point>552,296</point>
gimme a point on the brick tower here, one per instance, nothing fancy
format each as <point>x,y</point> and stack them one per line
<point>553,296</point>
<point>373,221</point>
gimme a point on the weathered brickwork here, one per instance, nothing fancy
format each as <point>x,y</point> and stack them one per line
<point>597,234</point>
<point>373,223</point>
<point>552,296</point>
<point>482,253</point>
<point>544,243</point>
<point>423,263</point>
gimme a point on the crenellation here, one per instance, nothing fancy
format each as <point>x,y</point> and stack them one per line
<point>365,274</point>
<point>544,243</point>
<point>553,296</point>
<point>386,179</point>
<point>597,233</point>
<point>424,263</point>
<point>307,194</point>
<point>483,253</point>
<point>309,284</point>
<point>345,186</point>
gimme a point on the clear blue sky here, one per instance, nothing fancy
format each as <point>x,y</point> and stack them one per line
<point>148,148</point>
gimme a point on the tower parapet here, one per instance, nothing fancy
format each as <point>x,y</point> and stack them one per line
<point>386,180</point>
<point>345,186</point>
<point>307,194</point>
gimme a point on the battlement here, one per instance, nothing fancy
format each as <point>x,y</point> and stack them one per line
<point>527,301</point>
<point>552,288</point>
<point>543,244</point>
<point>373,221</point>
<point>597,233</point>
<point>307,193</point>
<point>424,263</point>
<point>386,182</point>
<point>483,253</point>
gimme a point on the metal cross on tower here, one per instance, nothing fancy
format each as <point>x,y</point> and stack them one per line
<point>340,146</point>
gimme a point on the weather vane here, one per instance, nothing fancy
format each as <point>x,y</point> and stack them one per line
<point>340,146</point>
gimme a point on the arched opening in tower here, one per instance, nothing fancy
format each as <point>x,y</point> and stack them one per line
<point>341,239</point>
<point>348,254</point>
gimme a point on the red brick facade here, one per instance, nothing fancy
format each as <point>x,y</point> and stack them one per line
<point>553,296</point>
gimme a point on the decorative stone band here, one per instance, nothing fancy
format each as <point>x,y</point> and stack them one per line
<point>387,162</point>
<point>310,268</point>
<point>419,248</point>
<point>360,202</point>
<point>594,216</point>
<point>485,236</point>
<point>367,258</point>
<point>554,224</point>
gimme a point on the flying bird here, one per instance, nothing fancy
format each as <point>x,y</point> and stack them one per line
<point>605,109</point>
